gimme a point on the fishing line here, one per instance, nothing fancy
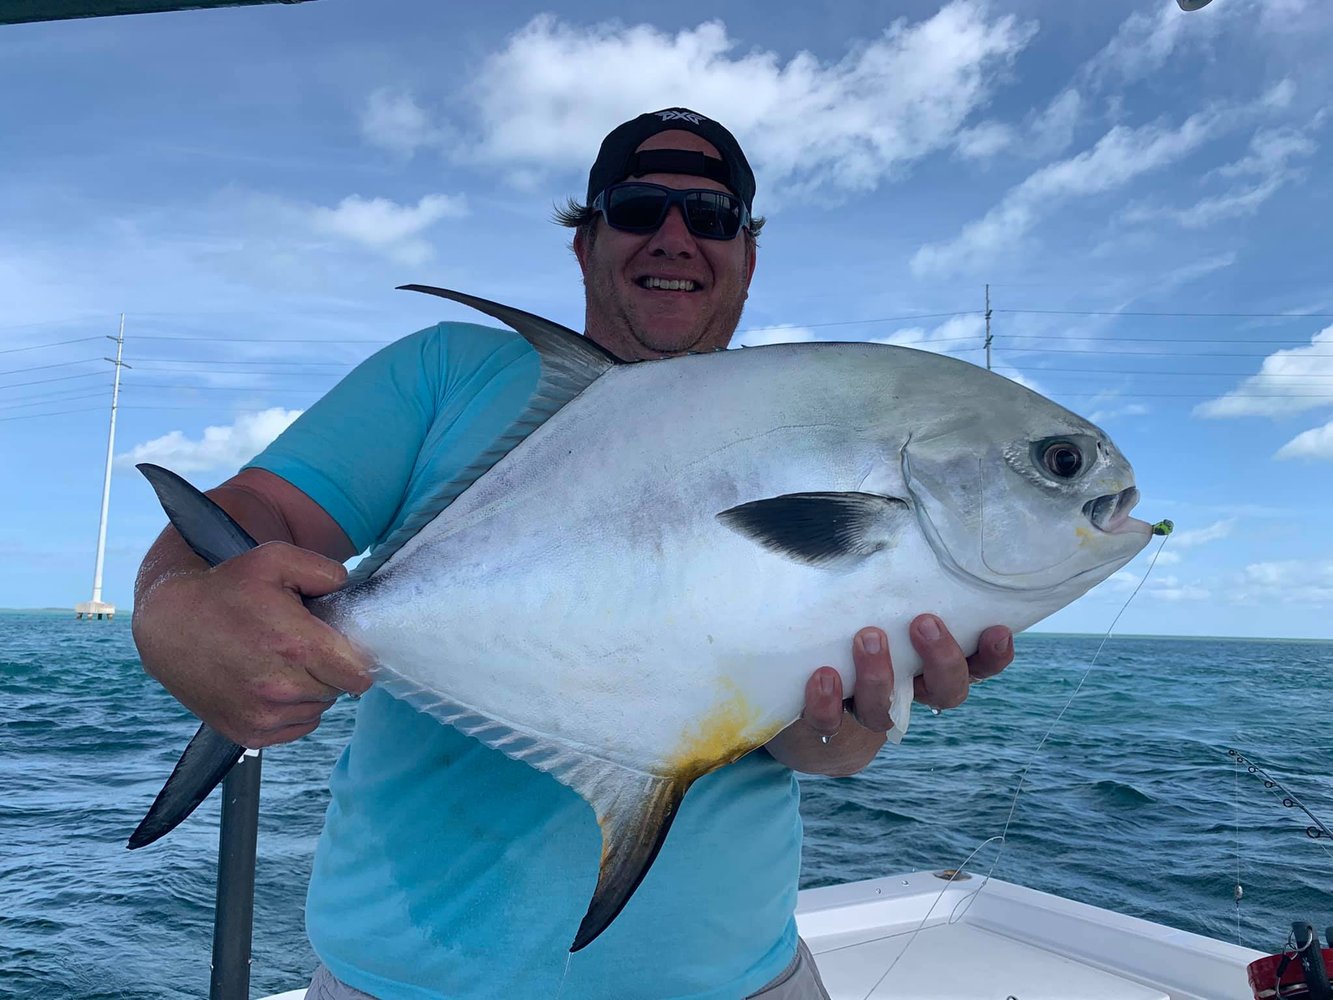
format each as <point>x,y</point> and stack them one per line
<point>1235,798</point>
<point>1162,528</point>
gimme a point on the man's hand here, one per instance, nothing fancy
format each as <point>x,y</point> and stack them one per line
<point>236,646</point>
<point>855,733</point>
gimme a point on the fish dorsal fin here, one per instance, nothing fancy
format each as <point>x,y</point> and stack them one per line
<point>570,363</point>
<point>635,808</point>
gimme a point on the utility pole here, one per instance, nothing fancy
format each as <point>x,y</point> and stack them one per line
<point>988,336</point>
<point>97,608</point>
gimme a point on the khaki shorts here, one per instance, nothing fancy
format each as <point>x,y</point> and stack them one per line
<point>798,981</point>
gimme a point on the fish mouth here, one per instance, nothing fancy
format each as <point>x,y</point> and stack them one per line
<point>1110,513</point>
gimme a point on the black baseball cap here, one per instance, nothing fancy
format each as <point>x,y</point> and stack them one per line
<point>618,158</point>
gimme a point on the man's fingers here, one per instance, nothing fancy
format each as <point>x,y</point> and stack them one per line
<point>944,675</point>
<point>823,701</point>
<point>299,570</point>
<point>340,664</point>
<point>874,680</point>
<point>995,651</point>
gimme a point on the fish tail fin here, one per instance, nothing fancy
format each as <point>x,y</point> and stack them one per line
<point>205,762</point>
<point>207,528</point>
<point>215,537</point>
<point>635,816</point>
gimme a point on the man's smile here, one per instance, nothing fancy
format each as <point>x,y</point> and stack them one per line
<point>668,284</point>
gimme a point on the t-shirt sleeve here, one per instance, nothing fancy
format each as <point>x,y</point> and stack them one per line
<point>354,451</point>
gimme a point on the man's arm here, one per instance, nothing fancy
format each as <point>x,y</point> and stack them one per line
<point>856,735</point>
<point>235,644</point>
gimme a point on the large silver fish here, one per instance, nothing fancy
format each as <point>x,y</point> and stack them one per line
<point>632,589</point>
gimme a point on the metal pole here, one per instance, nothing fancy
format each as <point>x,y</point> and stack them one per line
<point>988,337</point>
<point>110,450</point>
<point>233,919</point>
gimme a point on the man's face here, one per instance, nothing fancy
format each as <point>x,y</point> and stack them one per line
<point>636,321</point>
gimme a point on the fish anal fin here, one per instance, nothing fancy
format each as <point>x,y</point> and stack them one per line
<point>635,814</point>
<point>821,529</point>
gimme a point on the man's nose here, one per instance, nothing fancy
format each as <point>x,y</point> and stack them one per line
<point>673,238</point>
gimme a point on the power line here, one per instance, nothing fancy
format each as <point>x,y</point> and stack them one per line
<point>1177,315</point>
<point>60,364</point>
<point>57,413</point>
<point>44,381</point>
<point>196,361</point>
<point>1195,374</point>
<point>48,400</point>
<point>1150,354</point>
<point>220,388</point>
<point>39,347</point>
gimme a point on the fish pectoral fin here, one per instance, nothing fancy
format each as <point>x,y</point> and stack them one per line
<point>635,812</point>
<point>821,529</point>
<point>205,762</point>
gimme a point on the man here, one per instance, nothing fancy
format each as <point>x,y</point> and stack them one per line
<point>445,869</point>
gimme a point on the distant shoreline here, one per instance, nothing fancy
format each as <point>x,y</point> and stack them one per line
<point>126,612</point>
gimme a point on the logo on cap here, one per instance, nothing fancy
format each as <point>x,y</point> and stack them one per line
<point>689,116</point>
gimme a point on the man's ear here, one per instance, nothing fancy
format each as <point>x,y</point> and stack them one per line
<point>751,258</point>
<point>582,246</point>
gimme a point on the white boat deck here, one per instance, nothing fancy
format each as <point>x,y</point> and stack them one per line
<point>1004,941</point>
<point>921,937</point>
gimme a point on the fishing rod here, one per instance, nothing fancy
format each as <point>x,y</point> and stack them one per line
<point>1302,969</point>
<point>1317,830</point>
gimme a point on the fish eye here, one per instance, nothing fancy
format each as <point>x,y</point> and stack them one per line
<point>1062,459</point>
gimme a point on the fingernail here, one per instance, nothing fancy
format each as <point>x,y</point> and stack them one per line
<point>870,642</point>
<point>825,685</point>
<point>929,628</point>
<point>1002,646</point>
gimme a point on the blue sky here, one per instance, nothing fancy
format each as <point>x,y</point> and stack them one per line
<point>1146,192</point>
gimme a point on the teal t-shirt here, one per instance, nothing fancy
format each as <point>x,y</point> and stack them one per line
<point>446,869</point>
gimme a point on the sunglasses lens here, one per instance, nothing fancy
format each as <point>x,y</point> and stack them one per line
<point>712,213</point>
<point>640,208</point>
<point>635,208</point>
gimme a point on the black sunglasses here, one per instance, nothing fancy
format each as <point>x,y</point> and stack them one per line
<point>636,207</point>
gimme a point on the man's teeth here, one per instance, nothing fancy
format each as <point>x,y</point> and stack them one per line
<point>668,285</point>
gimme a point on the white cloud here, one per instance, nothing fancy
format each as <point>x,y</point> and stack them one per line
<point>1317,442</point>
<point>1120,156</point>
<point>394,121</point>
<point>981,142</point>
<point>783,333</point>
<point>1147,39</point>
<point>225,448</point>
<point>1043,134</point>
<point>1263,172</point>
<point>1159,588</point>
<point>1201,536</point>
<point>1289,381</point>
<point>805,123</point>
<point>386,226</point>
<point>1169,588</point>
<point>1292,580</point>
<point>1053,130</point>
<point>1115,412</point>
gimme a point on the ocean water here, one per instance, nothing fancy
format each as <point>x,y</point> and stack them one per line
<point>1132,804</point>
